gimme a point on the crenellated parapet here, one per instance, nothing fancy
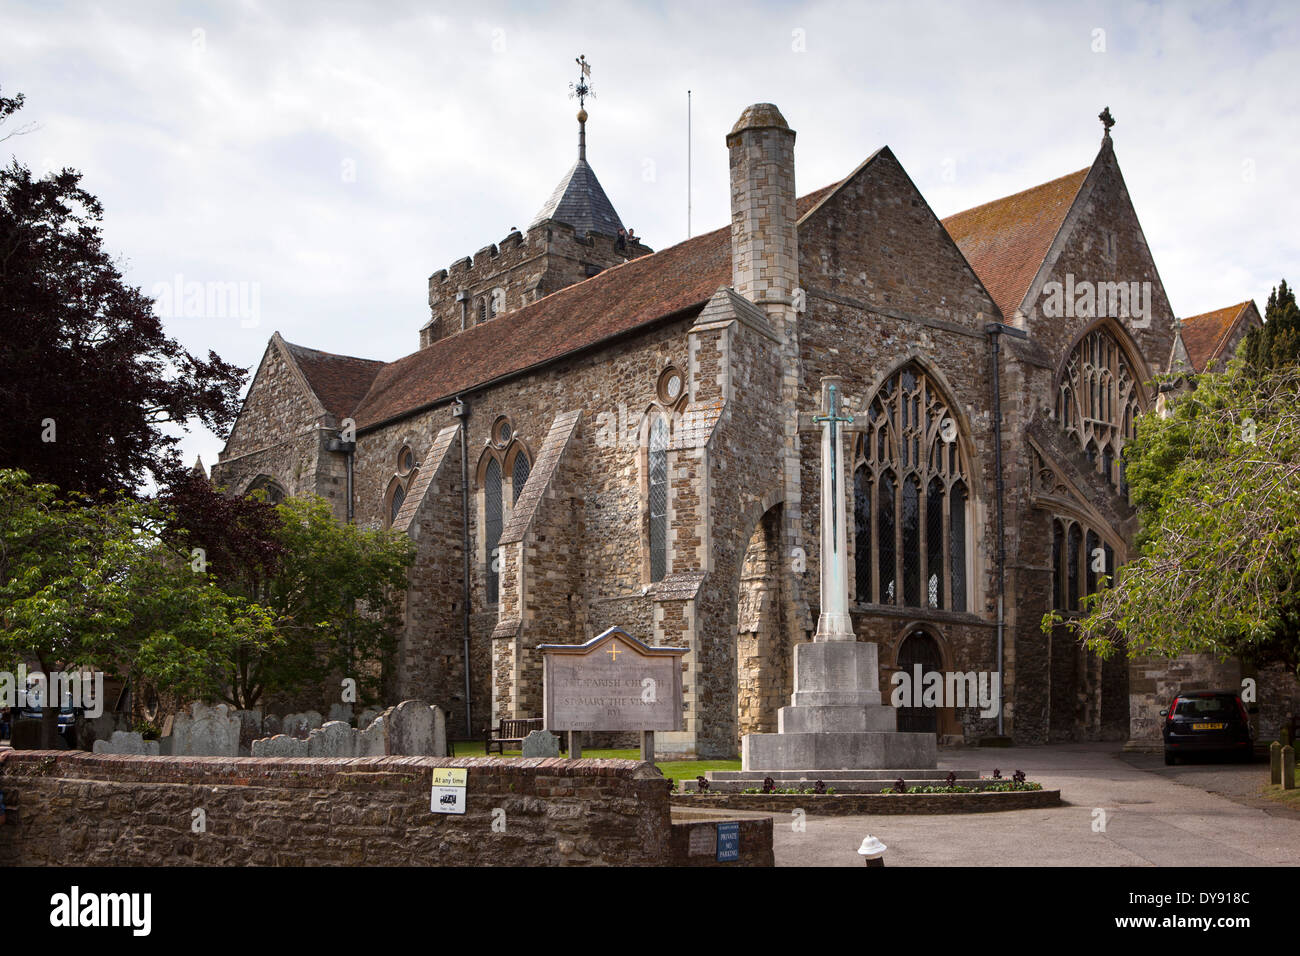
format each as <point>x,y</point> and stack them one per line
<point>520,269</point>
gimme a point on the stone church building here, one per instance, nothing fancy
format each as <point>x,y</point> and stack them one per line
<point>593,434</point>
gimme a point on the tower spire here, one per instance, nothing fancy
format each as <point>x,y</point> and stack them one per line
<point>582,89</point>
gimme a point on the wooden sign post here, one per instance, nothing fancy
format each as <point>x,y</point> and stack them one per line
<point>613,682</point>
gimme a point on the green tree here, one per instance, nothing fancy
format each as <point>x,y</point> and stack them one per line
<point>93,393</point>
<point>1217,484</point>
<point>1277,343</point>
<point>92,585</point>
<point>334,591</point>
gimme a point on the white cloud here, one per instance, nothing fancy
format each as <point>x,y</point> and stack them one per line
<point>224,155</point>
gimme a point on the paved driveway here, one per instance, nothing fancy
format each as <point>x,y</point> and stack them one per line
<point>1193,815</point>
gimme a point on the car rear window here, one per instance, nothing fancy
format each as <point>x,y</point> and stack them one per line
<point>1198,706</point>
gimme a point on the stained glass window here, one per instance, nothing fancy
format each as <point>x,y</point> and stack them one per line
<point>492,528</point>
<point>1098,401</point>
<point>910,474</point>
<point>519,475</point>
<point>658,461</point>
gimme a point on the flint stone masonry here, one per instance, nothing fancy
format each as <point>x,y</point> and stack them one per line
<point>95,810</point>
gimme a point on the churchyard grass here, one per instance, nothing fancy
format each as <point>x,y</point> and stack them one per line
<point>678,770</point>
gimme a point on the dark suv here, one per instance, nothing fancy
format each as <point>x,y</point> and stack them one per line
<point>1207,721</point>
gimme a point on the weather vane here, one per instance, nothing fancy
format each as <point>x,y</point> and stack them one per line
<point>582,89</point>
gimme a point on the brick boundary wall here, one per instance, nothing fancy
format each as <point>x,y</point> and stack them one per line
<point>75,808</point>
<point>857,804</point>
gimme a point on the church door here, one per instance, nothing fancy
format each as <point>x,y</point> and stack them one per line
<point>919,648</point>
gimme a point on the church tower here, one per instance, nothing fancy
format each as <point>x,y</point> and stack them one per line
<point>577,234</point>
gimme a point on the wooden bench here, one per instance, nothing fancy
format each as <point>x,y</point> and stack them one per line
<point>513,730</point>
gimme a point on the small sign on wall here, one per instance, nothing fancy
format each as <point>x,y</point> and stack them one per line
<point>449,786</point>
<point>728,842</point>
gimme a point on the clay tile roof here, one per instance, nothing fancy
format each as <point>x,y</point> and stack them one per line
<point>613,302</point>
<point>1205,335</point>
<point>1006,240</point>
<point>339,381</point>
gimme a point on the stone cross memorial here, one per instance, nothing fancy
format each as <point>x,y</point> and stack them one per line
<point>613,682</point>
<point>836,719</point>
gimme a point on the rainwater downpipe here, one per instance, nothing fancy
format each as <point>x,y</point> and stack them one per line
<point>460,411</point>
<point>995,329</point>
<point>349,449</point>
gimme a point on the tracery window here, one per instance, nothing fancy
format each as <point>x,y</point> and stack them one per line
<point>1098,401</point>
<point>269,487</point>
<point>492,522</point>
<point>1080,559</point>
<point>658,488</point>
<point>910,498</point>
<point>503,472</point>
<point>399,484</point>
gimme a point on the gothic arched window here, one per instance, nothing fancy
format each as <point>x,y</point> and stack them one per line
<point>518,475</point>
<point>658,488</point>
<point>910,475</point>
<point>1080,559</point>
<point>492,520</point>
<point>1098,401</point>
<point>503,472</point>
<point>400,484</point>
<point>269,487</point>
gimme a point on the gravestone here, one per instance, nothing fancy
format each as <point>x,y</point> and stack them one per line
<point>415,729</point>
<point>300,725</point>
<point>370,742</point>
<point>341,712</point>
<point>271,726</point>
<point>206,731</point>
<point>541,743</point>
<point>368,717</point>
<point>281,745</point>
<point>126,742</point>
<point>86,730</point>
<point>334,738</point>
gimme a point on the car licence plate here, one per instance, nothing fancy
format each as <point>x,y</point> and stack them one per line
<point>1207,726</point>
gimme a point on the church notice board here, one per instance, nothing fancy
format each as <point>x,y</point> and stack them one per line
<point>613,682</point>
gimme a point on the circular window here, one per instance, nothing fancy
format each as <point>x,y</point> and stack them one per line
<point>670,385</point>
<point>405,460</point>
<point>502,432</point>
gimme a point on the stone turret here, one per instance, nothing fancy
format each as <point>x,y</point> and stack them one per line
<point>764,246</point>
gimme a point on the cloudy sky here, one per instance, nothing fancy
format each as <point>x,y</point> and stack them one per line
<point>330,156</point>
